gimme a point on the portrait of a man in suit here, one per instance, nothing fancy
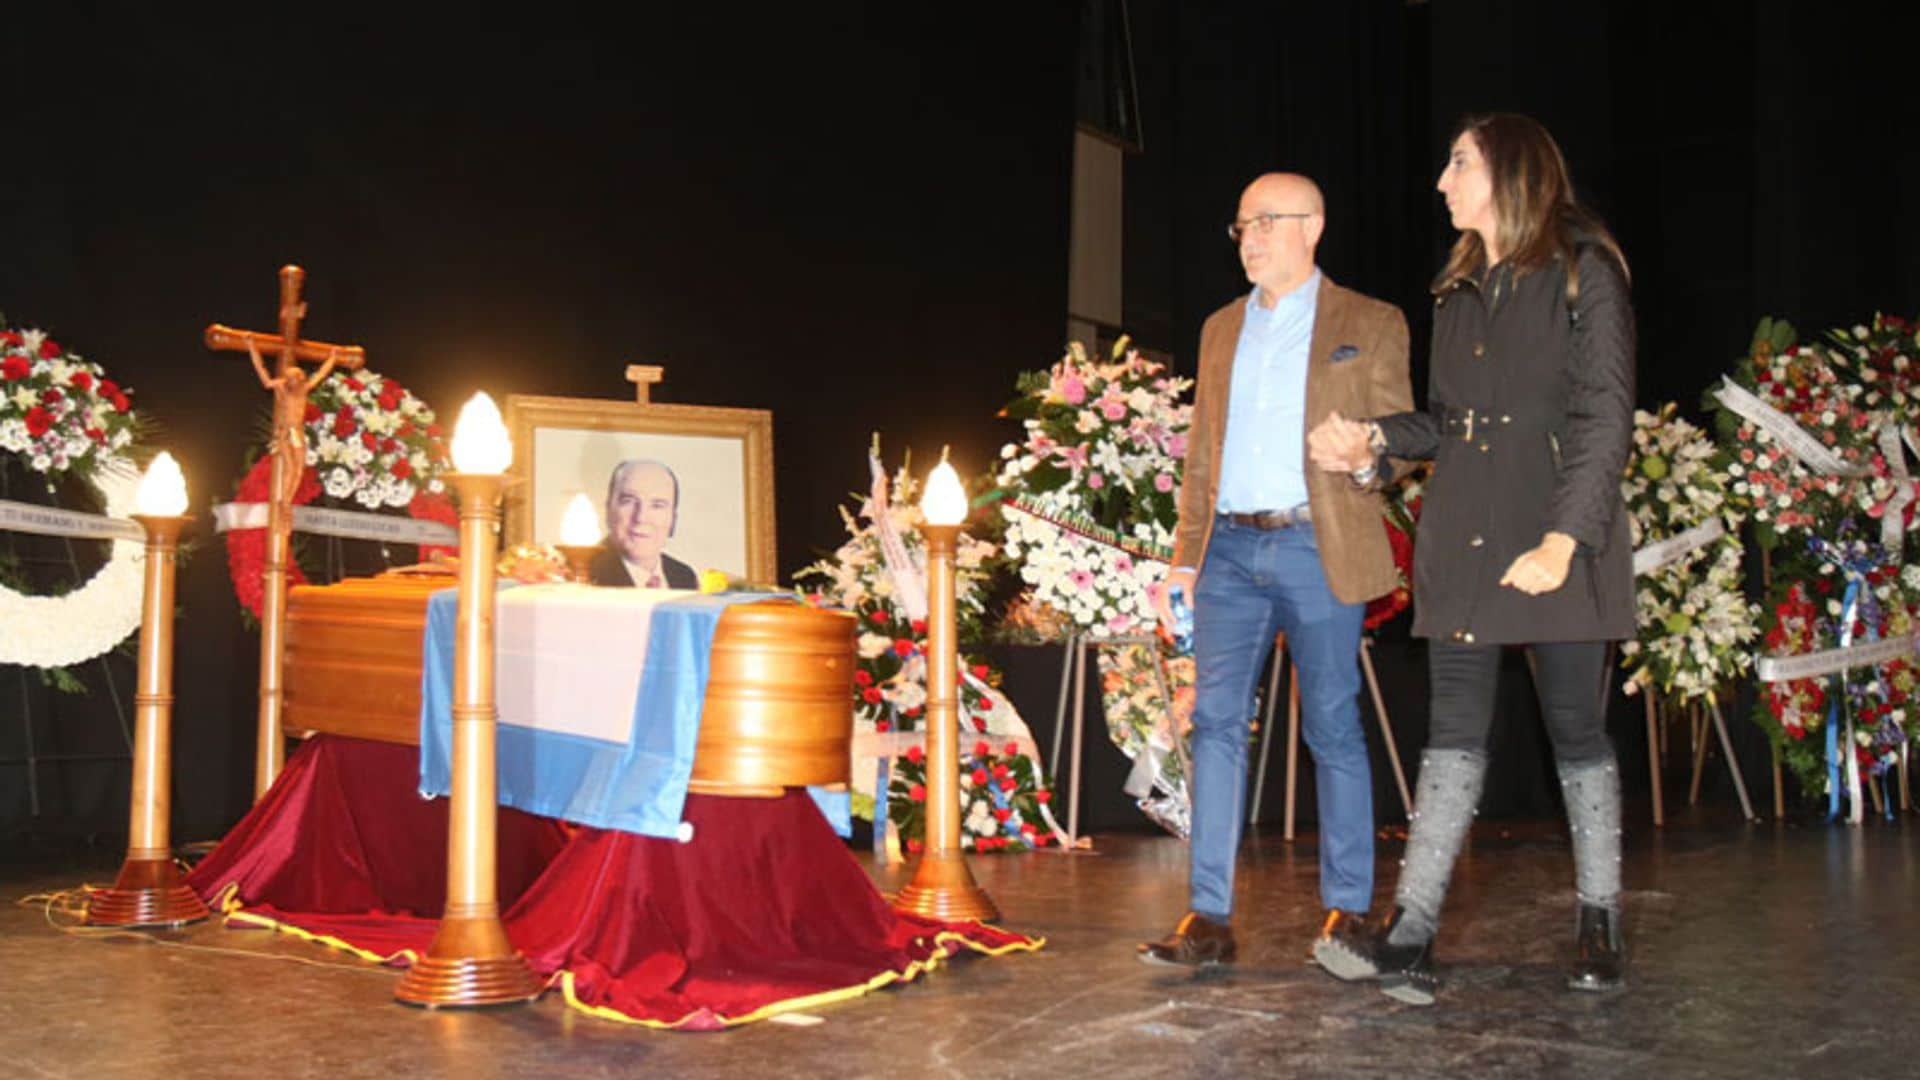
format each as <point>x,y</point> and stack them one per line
<point>643,510</point>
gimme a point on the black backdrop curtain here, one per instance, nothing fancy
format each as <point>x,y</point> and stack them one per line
<point>857,217</point>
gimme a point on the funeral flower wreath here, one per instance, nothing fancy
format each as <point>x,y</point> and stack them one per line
<point>1696,629</point>
<point>371,446</point>
<point>61,417</point>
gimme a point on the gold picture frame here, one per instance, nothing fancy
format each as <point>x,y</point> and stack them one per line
<point>721,458</point>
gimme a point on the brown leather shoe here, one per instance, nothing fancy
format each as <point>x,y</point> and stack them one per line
<point>1345,946</point>
<point>1197,942</point>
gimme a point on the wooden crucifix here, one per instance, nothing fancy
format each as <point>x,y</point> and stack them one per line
<point>290,384</point>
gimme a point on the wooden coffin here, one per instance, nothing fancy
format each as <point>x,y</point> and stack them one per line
<point>778,709</point>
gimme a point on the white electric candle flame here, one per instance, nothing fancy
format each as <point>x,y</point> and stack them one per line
<point>945,502</point>
<point>163,490</point>
<point>480,443</point>
<point>581,526</point>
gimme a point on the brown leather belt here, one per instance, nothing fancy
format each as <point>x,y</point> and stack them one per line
<point>1273,519</point>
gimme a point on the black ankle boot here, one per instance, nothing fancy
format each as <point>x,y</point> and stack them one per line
<point>1405,971</point>
<point>1600,952</point>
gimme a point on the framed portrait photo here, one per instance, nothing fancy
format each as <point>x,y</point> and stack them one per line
<point>677,488</point>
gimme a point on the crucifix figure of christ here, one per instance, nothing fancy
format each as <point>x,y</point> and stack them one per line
<point>290,384</point>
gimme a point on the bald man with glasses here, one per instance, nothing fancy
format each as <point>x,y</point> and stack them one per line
<point>1267,544</point>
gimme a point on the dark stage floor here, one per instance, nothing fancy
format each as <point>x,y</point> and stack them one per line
<point>1757,951</point>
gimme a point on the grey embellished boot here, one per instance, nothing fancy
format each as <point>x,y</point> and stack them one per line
<point>1444,806</point>
<point>1592,792</point>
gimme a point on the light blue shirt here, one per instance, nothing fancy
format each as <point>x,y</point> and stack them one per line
<point>1262,464</point>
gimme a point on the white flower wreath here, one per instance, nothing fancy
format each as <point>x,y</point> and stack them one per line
<point>56,631</point>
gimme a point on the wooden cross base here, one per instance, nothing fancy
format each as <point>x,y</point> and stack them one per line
<point>148,892</point>
<point>470,964</point>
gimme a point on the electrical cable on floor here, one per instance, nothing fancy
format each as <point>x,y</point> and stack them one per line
<point>71,904</point>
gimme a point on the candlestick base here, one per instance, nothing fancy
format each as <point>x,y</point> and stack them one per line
<point>148,892</point>
<point>470,964</point>
<point>943,888</point>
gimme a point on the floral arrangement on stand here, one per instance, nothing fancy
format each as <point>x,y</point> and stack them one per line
<point>1696,626</point>
<point>1090,493</point>
<point>1001,799</point>
<point>1090,497</point>
<point>371,446</point>
<point>71,429</point>
<point>890,674</point>
<point>1807,615</point>
<point>1819,462</point>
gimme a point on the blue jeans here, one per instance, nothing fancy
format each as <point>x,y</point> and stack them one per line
<point>1254,583</point>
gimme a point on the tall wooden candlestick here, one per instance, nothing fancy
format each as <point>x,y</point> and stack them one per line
<point>471,962</point>
<point>943,886</point>
<point>149,890</point>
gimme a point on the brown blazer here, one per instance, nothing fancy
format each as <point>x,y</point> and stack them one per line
<point>1370,380</point>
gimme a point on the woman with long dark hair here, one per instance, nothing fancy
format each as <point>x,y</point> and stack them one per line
<point>1523,535</point>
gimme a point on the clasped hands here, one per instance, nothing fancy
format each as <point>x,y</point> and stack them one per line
<point>1341,445</point>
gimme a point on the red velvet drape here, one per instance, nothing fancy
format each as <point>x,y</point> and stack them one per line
<point>763,910</point>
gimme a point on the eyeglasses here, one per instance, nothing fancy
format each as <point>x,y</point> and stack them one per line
<point>1258,224</point>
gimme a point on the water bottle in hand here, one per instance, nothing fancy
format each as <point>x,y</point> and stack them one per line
<point>1182,620</point>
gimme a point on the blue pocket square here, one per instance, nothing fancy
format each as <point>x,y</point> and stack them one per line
<point>1344,352</point>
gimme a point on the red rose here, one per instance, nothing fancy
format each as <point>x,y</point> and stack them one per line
<point>49,349</point>
<point>38,421</point>
<point>402,469</point>
<point>343,423</point>
<point>96,434</point>
<point>433,430</point>
<point>1043,796</point>
<point>1013,749</point>
<point>405,429</point>
<point>902,647</point>
<point>12,338</point>
<point>367,440</point>
<point>313,412</point>
<point>985,702</point>
<point>981,749</point>
<point>354,384</point>
<point>919,626</point>
<point>15,367</point>
<point>918,793</point>
<point>1009,785</point>
<point>871,695</point>
<point>979,777</point>
<point>1002,814</point>
<point>916,710</point>
<point>82,380</point>
<point>999,772</point>
<point>109,388</point>
<point>915,846</point>
<point>861,677</point>
<point>882,725</point>
<point>119,402</point>
<point>51,396</point>
<point>916,755</point>
<point>980,671</point>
